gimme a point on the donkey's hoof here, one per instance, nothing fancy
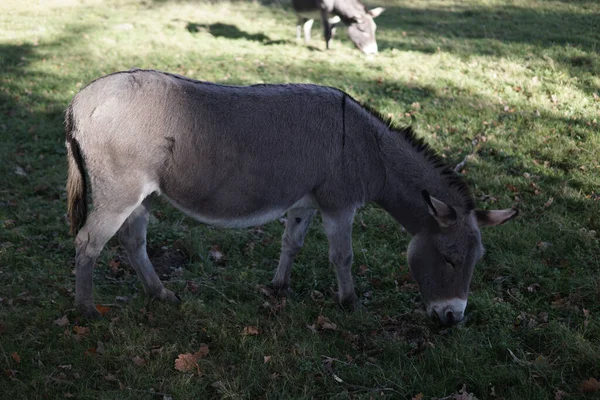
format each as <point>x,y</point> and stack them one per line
<point>281,290</point>
<point>168,295</point>
<point>89,312</point>
<point>349,303</point>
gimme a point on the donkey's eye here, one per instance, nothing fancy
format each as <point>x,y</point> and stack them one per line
<point>449,262</point>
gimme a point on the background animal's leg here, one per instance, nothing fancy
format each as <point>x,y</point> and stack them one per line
<point>298,222</point>
<point>299,23</point>
<point>333,22</point>
<point>307,27</point>
<point>132,236</point>
<point>101,225</point>
<point>338,228</point>
<point>326,27</point>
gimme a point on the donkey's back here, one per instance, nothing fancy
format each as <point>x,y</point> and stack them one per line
<point>229,155</point>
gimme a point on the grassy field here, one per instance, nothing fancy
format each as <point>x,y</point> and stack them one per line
<point>513,84</point>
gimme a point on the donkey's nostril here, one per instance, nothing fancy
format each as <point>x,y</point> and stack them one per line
<point>449,316</point>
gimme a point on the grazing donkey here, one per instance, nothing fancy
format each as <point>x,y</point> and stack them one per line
<point>241,156</point>
<point>361,26</point>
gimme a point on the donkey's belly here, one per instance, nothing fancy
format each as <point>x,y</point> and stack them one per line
<point>244,221</point>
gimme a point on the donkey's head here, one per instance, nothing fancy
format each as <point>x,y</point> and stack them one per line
<point>361,31</point>
<point>443,254</point>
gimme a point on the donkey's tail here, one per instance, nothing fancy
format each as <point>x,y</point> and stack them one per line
<point>76,182</point>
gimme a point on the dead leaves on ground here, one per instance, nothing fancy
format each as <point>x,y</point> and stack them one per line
<point>217,255</point>
<point>188,362</point>
<point>139,361</point>
<point>80,332</point>
<point>322,324</point>
<point>275,302</point>
<point>590,386</point>
<point>103,310</point>
<point>250,331</point>
<point>462,394</point>
<point>62,321</point>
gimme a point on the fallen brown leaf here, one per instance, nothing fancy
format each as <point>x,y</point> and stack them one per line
<point>250,331</point>
<point>216,254</point>
<point>81,330</point>
<point>463,394</point>
<point>267,359</point>
<point>191,287</point>
<point>512,188</point>
<point>559,394</point>
<point>62,321</point>
<point>187,362</point>
<point>100,347</point>
<point>11,373</point>
<point>103,310</point>
<point>590,386</point>
<point>15,356</point>
<point>90,351</point>
<point>317,296</point>
<point>267,291</point>
<point>115,267</point>
<point>324,323</point>
<point>203,352</point>
<point>139,361</point>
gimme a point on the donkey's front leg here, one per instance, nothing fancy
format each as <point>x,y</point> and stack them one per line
<point>298,222</point>
<point>338,228</point>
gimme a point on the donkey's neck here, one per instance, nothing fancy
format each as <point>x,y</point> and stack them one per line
<point>412,167</point>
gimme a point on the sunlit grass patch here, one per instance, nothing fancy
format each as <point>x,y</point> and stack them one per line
<point>512,86</point>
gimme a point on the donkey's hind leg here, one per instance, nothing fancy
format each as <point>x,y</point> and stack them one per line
<point>101,225</point>
<point>298,222</point>
<point>132,236</point>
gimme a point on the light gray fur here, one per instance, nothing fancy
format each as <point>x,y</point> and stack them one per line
<point>358,19</point>
<point>238,156</point>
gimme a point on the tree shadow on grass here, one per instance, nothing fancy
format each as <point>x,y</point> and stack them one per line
<point>227,31</point>
<point>232,32</point>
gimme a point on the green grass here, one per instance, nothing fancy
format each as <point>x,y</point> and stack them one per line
<point>518,78</point>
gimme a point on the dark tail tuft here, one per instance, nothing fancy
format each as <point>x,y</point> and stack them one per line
<point>76,182</point>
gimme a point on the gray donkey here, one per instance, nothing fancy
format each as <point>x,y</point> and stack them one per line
<point>354,14</point>
<point>241,156</point>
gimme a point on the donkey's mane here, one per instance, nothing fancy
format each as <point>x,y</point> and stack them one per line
<point>450,177</point>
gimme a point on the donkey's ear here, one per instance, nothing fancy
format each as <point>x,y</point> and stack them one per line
<point>495,217</point>
<point>376,12</point>
<point>444,214</point>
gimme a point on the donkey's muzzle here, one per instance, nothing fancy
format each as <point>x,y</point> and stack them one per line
<point>450,311</point>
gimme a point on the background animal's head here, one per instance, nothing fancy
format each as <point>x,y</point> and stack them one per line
<point>362,31</point>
